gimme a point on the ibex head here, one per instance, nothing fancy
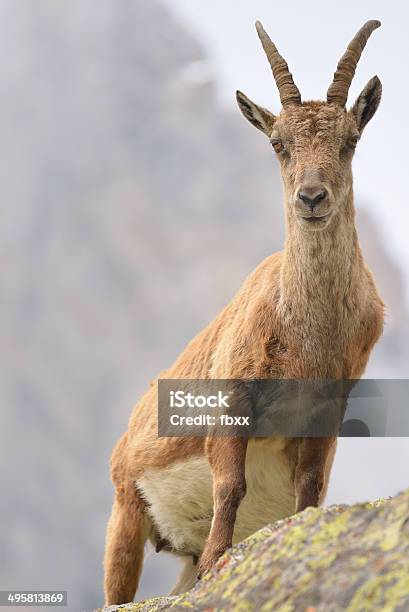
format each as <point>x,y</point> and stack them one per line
<point>315,141</point>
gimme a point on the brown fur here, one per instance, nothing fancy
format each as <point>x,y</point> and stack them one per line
<point>311,311</point>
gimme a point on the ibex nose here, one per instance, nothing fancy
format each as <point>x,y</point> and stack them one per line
<point>312,195</point>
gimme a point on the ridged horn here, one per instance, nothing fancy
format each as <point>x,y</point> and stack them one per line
<point>289,93</point>
<point>338,90</point>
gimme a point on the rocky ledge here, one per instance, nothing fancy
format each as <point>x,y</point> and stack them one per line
<point>353,558</point>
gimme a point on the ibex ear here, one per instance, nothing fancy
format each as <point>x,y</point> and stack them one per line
<point>368,101</point>
<point>260,117</point>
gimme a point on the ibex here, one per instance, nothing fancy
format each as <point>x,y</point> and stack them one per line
<point>309,312</point>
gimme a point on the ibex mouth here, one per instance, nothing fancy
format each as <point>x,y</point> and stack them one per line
<point>315,219</point>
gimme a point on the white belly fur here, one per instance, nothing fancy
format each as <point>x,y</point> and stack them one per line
<point>180,496</point>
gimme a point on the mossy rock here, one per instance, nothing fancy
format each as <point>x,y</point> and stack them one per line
<point>341,558</point>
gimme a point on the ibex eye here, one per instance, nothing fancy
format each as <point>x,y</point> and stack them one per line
<point>353,141</point>
<point>277,145</point>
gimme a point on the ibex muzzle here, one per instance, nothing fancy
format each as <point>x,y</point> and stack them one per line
<point>313,198</point>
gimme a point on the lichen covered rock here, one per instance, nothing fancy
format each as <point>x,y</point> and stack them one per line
<point>353,558</point>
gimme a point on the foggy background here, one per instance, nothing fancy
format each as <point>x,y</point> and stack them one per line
<point>134,200</point>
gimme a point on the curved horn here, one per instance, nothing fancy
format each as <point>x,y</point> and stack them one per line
<point>338,90</point>
<point>288,91</point>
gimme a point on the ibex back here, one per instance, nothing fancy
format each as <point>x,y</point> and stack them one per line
<point>310,312</point>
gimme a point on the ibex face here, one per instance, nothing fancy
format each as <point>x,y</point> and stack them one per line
<point>315,141</point>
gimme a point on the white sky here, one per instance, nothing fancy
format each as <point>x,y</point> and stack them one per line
<point>312,36</point>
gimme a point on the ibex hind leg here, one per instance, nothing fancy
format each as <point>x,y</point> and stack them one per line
<point>187,578</point>
<point>127,532</point>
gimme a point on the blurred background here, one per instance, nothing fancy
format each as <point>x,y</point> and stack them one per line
<point>134,200</point>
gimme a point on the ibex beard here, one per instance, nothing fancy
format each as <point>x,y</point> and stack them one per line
<point>309,312</point>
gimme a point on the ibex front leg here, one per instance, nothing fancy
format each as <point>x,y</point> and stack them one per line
<point>227,458</point>
<point>315,456</point>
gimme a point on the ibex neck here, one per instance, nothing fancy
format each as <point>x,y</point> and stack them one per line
<point>320,268</point>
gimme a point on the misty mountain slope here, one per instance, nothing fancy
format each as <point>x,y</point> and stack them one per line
<point>132,209</point>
